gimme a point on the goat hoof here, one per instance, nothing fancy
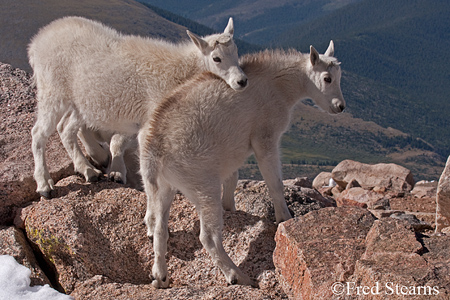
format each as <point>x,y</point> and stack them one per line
<point>160,283</point>
<point>116,177</point>
<point>46,195</point>
<point>241,279</point>
<point>93,175</point>
<point>93,179</point>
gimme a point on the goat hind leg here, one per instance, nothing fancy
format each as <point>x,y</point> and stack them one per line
<point>159,199</point>
<point>68,128</point>
<point>91,142</point>
<point>118,145</point>
<point>40,134</point>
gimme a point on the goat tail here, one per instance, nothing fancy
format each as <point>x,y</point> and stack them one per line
<point>31,61</point>
<point>149,158</point>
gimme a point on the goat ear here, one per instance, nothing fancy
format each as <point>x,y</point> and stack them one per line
<point>330,50</point>
<point>198,41</point>
<point>230,27</point>
<point>313,55</point>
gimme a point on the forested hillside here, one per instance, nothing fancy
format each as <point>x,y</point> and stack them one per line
<point>393,53</point>
<point>259,21</point>
<point>400,47</point>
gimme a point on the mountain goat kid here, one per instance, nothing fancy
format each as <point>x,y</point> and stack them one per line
<point>200,135</point>
<point>89,76</point>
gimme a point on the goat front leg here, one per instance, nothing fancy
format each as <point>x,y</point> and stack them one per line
<point>68,128</point>
<point>229,186</point>
<point>270,166</point>
<point>211,223</point>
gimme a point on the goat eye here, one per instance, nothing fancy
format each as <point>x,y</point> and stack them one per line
<point>217,59</point>
<point>327,79</point>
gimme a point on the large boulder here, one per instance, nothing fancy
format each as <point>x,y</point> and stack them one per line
<point>390,176</point>
<point>360,197</point>
<point>443,199</point>
<point>320,248</point>
<point>322,180</point>
<point>345,253</point>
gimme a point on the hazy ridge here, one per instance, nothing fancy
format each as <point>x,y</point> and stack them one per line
<point>387,120</point>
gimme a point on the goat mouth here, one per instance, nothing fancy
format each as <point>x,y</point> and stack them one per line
<point>239,86</point>
<point>335,110</point>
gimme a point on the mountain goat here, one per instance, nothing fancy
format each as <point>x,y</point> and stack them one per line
<point>204,131</point>
<point>90,76</point>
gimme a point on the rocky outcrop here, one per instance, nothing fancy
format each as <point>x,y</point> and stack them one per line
<point>89,240</point>
<point>14,243</point>
<point>390,176</point>
<point>345,253</point>
<point>94,238</point>
<point>399,263</point>
<point>253,197</point>
<point>318,249</point>
<point>443,199</point>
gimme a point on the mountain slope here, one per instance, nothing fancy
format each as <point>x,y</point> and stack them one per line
<point>399,45</point>
<point>316,140</point>
<point>259,21</point>
<point>21,19</point>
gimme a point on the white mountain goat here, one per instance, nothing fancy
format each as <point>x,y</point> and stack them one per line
<point>90,76</point>
<point>200,135</point>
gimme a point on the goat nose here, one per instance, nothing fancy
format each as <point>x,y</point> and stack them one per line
<point>242,82</point>
<point>341,107</point>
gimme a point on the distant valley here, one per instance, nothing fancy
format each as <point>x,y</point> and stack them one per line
<point>393,54</point>
<point>394,68</point>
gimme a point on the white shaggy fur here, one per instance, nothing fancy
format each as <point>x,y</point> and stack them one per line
<point>90,76</point>
<point>200,135</point>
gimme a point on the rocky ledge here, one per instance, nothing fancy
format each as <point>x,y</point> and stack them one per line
<point>370,236</point>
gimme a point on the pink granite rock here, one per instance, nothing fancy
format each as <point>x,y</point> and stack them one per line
<point>344,253</point>
<point>398,264</point>
<point>320,248</point>
<point>390,176</point>
<point>91,230</point>
<point>253,197</point>
<point>359,197</point>
<point>13,243</point>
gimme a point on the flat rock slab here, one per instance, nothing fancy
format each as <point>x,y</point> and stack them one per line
<point>94,236</point>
